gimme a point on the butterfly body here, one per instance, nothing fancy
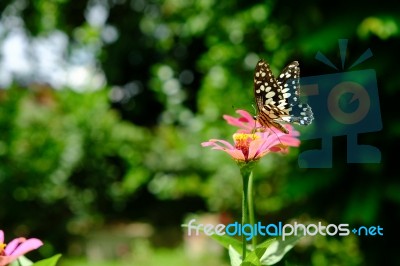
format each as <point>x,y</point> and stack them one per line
<point>277,99</point>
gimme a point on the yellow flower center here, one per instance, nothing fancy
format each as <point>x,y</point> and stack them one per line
<point>242,142</point>
<point>2,247</point>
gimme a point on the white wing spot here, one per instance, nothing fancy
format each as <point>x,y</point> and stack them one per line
<point>270,94</point>
<point>267,101</point>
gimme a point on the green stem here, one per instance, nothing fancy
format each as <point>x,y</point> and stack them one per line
<point>251,208</point>
<point>246,172</point>
<point>245,208</point>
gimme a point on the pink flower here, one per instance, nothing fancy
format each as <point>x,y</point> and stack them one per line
<point>246,122</point>
<point>16,248</point>
<point>250,144</point>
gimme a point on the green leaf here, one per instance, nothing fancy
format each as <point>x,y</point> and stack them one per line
<point>49,261</point>
<point>21,261</point>
<point>261,248</point>
<point>235,257</point>
<point>228,241</point>
<point>277,249</point>
<point>253,258</point>
<point>225,240</point>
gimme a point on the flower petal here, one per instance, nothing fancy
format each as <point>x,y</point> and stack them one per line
<point>26,246</point>
<point>10,248</point>
<point>290,141</point>
<point>5,260</point>
<point>245,115</point>
<point>233,121</point>
<point>270,141</point>
<point>213,142</point>
<point>245,122</point>
<point>1,237</point>
<point>236,154</point>
<point>255,148</point>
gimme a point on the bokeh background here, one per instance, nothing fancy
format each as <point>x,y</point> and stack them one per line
<point>104,104</point>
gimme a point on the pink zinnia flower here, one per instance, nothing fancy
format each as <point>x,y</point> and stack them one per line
<point>250,144</point>
<point>16,248</point>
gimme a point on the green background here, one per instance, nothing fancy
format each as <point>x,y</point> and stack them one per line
<point>86,169</point>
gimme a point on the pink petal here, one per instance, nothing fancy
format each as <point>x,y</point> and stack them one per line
<point>236,154</point>
<point>245,122</point>
<point>292,130</point>
<point>1,236</point>
<point>10,248</point>
<point>285,139</point>
<point>213,142</point>
<point>26,246</point>
<point>255,148</point>
<point>270,141</point>
<point>245,115</point>
<point>233,121</point>
<point>5,260</point>
<point>290,141</point>
<point>243,127</point>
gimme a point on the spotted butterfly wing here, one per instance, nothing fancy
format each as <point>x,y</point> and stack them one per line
<point>278,98</point>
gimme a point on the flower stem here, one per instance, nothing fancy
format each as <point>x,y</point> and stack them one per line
<point>251,208</point>
<point>245,208</point>
<point>247,200</point>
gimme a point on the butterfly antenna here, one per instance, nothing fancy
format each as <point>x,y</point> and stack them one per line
<point>255,110</point>
<point>255,118</point>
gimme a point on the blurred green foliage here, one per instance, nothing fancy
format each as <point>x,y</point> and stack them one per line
<point>131,150</point>
<point>68,152</point>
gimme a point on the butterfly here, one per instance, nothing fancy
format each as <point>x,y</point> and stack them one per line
<point>278,98</point>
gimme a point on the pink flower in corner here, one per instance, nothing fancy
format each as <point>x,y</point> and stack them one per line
<point>16,248</point>
<point>251,146</point>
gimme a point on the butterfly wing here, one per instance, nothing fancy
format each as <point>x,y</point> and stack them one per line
<point>278,99</point>
<point>289,81</point>
<point>272,106</point>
